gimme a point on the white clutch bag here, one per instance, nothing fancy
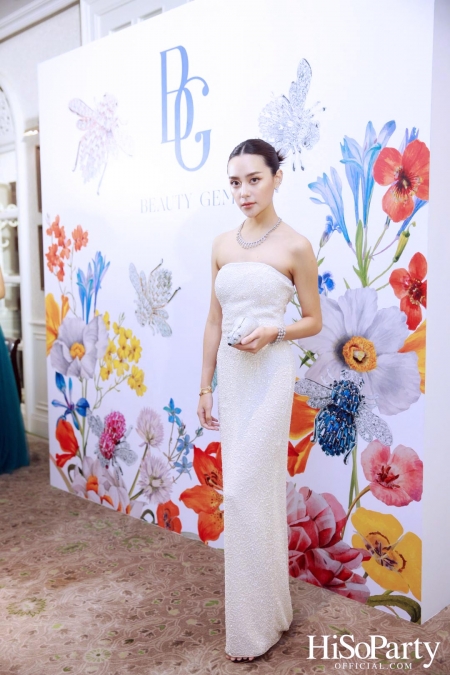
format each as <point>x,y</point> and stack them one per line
<point>243,326</point>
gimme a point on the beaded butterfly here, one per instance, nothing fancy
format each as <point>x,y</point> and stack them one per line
<point>344,414</point>
<point>152,296</point>
<point>102,136</point>
<point>286,123</point>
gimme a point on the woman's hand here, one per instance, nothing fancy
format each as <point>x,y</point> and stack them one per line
<point>258,339</point>
<point>204,413</point>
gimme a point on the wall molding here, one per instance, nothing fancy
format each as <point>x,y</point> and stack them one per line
<point>33,13</point>
<point>95,13</point>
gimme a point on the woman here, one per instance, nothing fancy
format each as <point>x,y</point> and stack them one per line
<point>256,269</point>
<point>13,445</point>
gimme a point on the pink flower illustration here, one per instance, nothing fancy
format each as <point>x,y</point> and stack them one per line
<point>107,445</point>
<point>397,478</point>
<point>115,425</point>
<point>317,553</point>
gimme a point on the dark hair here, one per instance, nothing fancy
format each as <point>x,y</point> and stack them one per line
<point>256,146</point>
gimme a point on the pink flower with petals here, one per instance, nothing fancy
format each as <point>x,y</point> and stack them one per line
<point>397,478</point>
<point>115,425</point>
<point>317,553</point>
<point>106,445</point>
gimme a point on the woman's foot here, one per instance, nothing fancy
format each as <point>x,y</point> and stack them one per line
<point>239,658</point>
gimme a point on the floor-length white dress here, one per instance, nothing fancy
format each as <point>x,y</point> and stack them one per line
<point>255,393</point>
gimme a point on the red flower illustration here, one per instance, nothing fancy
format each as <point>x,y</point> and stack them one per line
<point>397,478</point>
<point>66,438</point>
<point>410,287</point>
<point>167,516</point>
<point>407,175</point>
<point>317,553</point>
<point>206,498</point>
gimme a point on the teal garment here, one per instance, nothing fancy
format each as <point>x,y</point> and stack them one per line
<point>13,445</point>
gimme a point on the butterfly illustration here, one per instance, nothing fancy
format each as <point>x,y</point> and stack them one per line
<point>344,413</point>
<point>286,123</point>
<point>102,136</point>
<point>152,296</point>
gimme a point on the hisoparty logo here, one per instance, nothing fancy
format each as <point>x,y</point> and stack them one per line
<point>179,95</point>
<point>377,648</point>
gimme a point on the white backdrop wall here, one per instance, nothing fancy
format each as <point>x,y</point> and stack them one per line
<point>124,359</point>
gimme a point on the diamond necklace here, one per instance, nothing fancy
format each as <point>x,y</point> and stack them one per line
<point>252,244</point>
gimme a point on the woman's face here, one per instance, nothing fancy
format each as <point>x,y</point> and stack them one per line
<point>252,183</point>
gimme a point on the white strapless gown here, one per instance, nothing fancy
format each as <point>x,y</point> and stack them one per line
<point>254,408</point>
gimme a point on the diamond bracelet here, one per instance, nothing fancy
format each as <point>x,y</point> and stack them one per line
<point>280,336</point>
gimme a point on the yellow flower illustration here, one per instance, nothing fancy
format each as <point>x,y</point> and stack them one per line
<point>140,389</point>
<point>111,348</point>
<point>136,381</point>
<point>396,562</point>
<point>106,369</point>
<point>416,342</point>
<point>54,316</point>
<point>135,350</point>
<point>120,366</point>
<point>106,320</point>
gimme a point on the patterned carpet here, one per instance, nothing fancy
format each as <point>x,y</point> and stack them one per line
<point>86,590</point>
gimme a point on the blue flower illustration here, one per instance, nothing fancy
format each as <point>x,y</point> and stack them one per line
<point>359,163</point>
<point>173,412</point>
<point>85,283</point>
<point>183,466</point>
<point>184,443</point>
<point>326,283</point>
<point>100,270</point>
<point>331,192</point>
<point>74,409</point>
<point>408,138</point>
<point>418,203</point>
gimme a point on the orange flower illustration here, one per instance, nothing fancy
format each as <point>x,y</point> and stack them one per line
<point>80,238</point>
<point>54,316</point>
<point>302,425</point>
<point>66,438</point>
<point>206,498</point>
<point>52,257</point>
<point>167,516</point>
<point>64,244</point>
<point>54,228</point>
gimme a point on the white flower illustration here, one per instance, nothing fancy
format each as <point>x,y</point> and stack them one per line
<point>155,479</point>
<point>150,427</point>
<point>78,346</point>
<point>357,335</point>
<point>100,486</point>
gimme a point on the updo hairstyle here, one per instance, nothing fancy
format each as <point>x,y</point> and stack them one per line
<point>256,146</point>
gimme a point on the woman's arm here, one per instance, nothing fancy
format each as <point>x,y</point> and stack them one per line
<point>2,285</point>
<point>211,340</point>
<point>305,275</point>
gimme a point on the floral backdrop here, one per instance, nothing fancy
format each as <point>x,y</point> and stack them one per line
<point>127,292</point>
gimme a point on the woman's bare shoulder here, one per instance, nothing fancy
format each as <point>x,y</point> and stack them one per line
<point>298,242</point>
<point>224,237</point>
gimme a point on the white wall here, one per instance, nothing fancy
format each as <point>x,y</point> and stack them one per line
<point>436,497</point>
<point>19,57</point>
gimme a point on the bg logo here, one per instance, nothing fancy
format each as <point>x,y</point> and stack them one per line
<point>182,92</point>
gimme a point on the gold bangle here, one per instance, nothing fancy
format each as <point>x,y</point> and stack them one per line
<point>205,390</point>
